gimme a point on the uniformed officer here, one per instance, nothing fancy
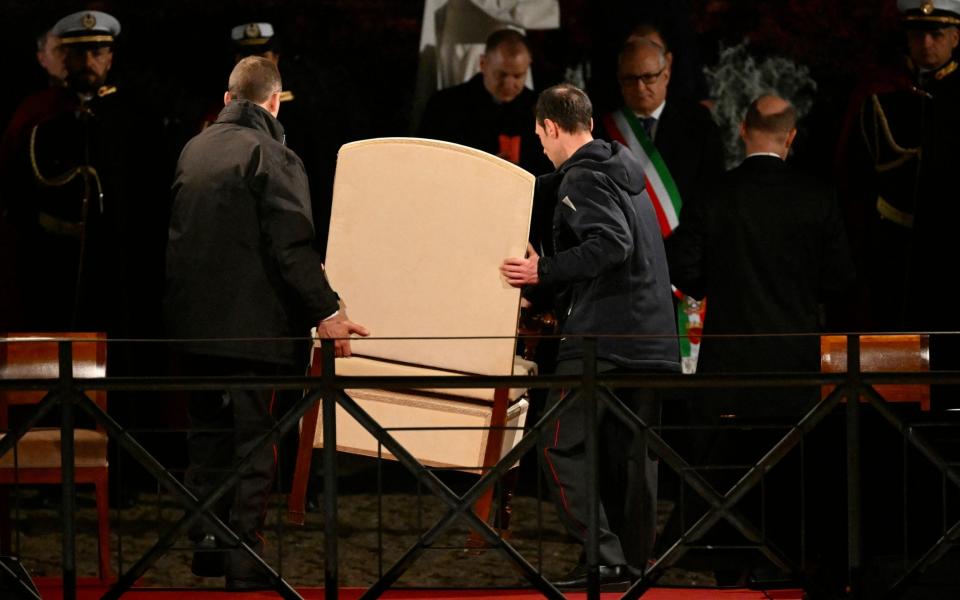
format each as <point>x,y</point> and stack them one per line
<point>60,196</point>
<point>903,178</point>
<point>910,133</point>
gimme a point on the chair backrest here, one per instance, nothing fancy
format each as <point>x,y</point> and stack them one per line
<point>418,231</point>
<point>883,353</point>
<point>36,356</point>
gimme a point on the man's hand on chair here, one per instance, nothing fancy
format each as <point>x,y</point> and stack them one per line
<point>521,271</point>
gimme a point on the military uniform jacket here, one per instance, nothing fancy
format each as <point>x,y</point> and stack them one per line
<point>239,257</point>
<point>82,187</point>
<point>910,136</point>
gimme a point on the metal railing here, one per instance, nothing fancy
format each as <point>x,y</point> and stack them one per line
<point>67,394</point>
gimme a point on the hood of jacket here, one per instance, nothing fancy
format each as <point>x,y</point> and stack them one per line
<point>613,160</point>
<point>247,114</point>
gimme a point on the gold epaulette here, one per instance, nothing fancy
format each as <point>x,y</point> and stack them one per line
<point>286,96</point>
<point>894,214</point>
<point>945,70</point>
<point>106,90</point>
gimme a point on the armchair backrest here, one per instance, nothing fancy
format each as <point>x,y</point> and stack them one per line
<point>36,356</point>
<point>418,231</point>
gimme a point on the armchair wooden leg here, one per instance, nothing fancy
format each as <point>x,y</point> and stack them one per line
<point>498,419</point>
<point>508,486</point>
<point>501,520</point>
<point>6,525</point>
<point>101,488</point>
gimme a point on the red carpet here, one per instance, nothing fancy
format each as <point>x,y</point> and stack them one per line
<point>90,591</point>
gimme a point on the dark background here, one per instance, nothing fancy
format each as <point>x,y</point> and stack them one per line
<point>175,55</point>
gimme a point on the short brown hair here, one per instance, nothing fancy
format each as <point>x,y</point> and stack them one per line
<point>566,105</point>
<point>254,78</point>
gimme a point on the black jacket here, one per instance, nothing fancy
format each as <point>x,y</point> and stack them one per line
<point>690,144</point>
<point>766,249</point>
<point>467,114</point>
<point>239,257</point>
<point>609,267</point>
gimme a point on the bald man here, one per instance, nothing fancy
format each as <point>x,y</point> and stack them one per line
<point>768,250</point>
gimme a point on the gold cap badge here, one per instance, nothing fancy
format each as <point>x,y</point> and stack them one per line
<point>927,7</point>
<point>252,30</point>
<point>89,21</point>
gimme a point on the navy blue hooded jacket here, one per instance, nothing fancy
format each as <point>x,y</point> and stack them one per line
<point>609,268</point>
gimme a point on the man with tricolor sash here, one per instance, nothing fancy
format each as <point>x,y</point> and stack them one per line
<point>677,143</point>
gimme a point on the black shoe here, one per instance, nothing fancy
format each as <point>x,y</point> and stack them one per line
<point>207,558</point>
<point>613,578</point>
<point>243,572</point>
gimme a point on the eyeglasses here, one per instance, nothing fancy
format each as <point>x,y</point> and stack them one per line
<point>647,78</point>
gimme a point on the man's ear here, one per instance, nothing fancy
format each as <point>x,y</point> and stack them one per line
<point>790,137</point>
<point>273,104</point>
<point>668,57</point>
<point>591,124</point>
<point>226,98</point>
<point>550,128</point>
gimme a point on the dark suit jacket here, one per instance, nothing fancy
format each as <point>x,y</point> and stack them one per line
<point>765,249</point>
<point>467,114</point>
<point>689,142</point>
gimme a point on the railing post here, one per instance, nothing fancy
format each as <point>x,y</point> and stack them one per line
<point>589,395</point>
<point>68,490</point>
<point>854,554</point>
<point>330,562</point>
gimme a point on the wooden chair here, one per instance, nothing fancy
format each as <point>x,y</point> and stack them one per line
<point>880,353</point>
<point>36,459</point>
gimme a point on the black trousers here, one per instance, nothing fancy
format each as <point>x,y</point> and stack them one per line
<point>627,472</point>
<point>224,426</point>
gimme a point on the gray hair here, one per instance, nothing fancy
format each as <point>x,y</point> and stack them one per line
<point>636,44</point>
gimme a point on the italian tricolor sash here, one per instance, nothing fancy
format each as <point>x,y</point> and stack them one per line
<point>624,127</point>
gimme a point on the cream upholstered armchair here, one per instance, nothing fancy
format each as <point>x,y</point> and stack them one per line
<point>418,231</point>
<point>36,457</point>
